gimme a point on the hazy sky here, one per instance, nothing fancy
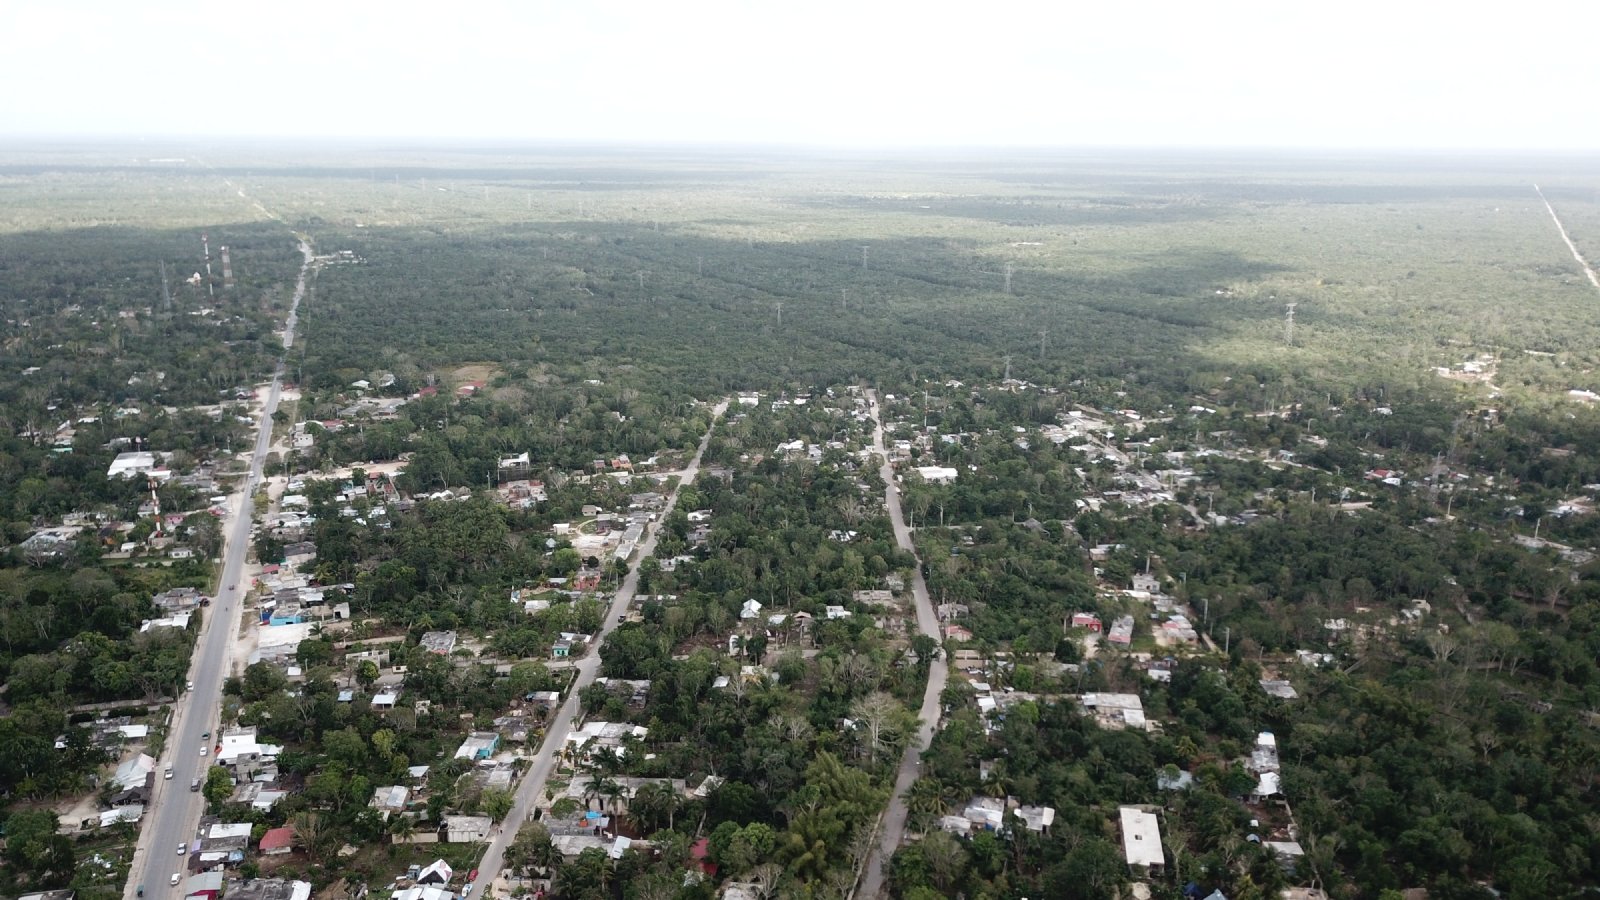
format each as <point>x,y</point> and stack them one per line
<point>982,72</point>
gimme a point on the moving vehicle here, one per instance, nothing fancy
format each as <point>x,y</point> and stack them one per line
<point>183,848</point>
<point>140,892</point>
<point>194,785</point>
<point>168,776</point>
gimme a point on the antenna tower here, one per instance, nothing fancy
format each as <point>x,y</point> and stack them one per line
<point>1042,336</point>
<point>863,258</point>
<point>1288,325</point>
<point>1008,367</point>
<point>1009,269</point>
<point>780,315</point>
<point>166,292</point>
<point>227,271</point>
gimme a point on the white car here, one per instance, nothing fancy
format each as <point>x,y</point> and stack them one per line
<point>174,878</point>
<point>204,750</point>
<point>188,686</point>
<point>168,776</point>
<point>183,848</point>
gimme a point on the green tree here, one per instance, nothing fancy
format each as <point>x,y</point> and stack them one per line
<point>218,786</point>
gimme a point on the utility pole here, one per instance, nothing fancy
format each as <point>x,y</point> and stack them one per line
<point>1205,605</point>
<point>1008,367</point>
<point>166,292</point>
<point>780,315</point>
<point>699,266</point>
<point>1009,269</point>
<point>844,299</point>
<point>1227,640</point>
<point>1042,335</point>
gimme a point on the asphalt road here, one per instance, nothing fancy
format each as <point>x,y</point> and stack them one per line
<point>173,813</point>
<point>894,819</point>
<point>529,792</point>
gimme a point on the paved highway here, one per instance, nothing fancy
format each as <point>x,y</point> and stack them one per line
<point>174,811</point>
<point>588,668</point>
<point>894,820</point>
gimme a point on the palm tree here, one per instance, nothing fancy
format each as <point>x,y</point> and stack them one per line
<point>924,801</point>
<point>401,828</point>
<point>615,794</point>
<point>654,803</point>
<point>594,787</point>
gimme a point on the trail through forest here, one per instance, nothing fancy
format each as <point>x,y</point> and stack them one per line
<point>1593,279</point>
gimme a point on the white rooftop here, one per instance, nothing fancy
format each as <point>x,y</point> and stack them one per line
<point>1141,838</point>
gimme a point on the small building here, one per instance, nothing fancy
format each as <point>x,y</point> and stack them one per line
<point>277,841</point>
<point>436,872</point>
<point>131,465</point>
<point>478,745</point>
<point>1086,620</point>
<point>467,829</point>
<point>957,633</point>
<point>390,799</point>
<point>937,474</point>
<point>1148,583</point>
<point>440,642</point>
<point>1141,838</point>
<point>1278,688</point>
<point>1036,818</point>
<point>987,813</point>
<point>254,889</point>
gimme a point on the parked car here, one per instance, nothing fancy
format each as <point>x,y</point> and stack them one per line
<point>194,785</point>
<point>174,878</point>
<point>183,848</point>
<point>168,775</point>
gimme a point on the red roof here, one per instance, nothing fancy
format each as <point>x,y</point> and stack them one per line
<point>428,391</point>
<point>698,851</point>
<point>278,838</point>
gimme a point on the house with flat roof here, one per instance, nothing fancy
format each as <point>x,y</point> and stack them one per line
<point>1141,838</point>
<point>467,829</point>
<point>478,745</point>
<point>440,642</point>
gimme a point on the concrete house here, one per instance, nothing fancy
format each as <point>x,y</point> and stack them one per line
<point>478,745</point>
<point>1141,839</point>
<point>467,829</point>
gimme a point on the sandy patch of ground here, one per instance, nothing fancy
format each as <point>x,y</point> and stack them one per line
<point>472,372</point>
